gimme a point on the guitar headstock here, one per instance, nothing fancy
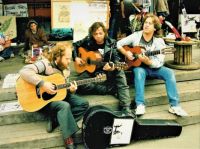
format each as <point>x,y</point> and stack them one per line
<point>101,77</point>
<point>168,50</point>
<point>121,66</point>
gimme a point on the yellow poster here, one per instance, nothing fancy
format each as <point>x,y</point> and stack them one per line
<point>8,26</point>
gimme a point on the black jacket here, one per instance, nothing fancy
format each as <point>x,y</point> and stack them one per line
<point>110,49</point>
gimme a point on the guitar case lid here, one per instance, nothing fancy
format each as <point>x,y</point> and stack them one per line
<point>97,126</point>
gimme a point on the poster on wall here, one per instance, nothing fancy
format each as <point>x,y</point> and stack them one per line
<point>8,26</point>
<point>188,24</point>
<point>18,10</point>
<point>79,15</point>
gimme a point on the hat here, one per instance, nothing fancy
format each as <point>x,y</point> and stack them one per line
<point>30,22</point>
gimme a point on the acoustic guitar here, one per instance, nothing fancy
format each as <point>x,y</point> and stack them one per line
<point>32,98</point>
<point>91,62</point>
<point>137,50</point>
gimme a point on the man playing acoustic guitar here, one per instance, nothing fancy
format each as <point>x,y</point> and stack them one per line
<point>103,50</point>
<point>65,112</point>
<point>151,66</point>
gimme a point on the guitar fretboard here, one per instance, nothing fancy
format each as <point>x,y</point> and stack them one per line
<point>151,53</point>
<point>82,82</point>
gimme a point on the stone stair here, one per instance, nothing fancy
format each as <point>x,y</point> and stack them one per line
<point>20,129</point>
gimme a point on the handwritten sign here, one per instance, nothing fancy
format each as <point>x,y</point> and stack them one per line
<point>188,22</point>
<point>10,107</point>
<point>18,10</point>
<point>122,130</point>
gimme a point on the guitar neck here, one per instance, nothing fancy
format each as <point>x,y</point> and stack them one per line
<point>99,63</point>
<point>152,53</point>
<point>87,81</point>
<point>79,82</point>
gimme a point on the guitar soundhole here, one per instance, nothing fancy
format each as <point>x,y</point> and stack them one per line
<point>47,96</point>
<point>88,61</point>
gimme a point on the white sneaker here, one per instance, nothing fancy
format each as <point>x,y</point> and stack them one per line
<point>177,110</point>
<point>1,58</point>
<point>12,55</point>
<point>140,110</point>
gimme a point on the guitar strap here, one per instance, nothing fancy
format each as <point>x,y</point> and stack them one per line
<point>40,67</point>
<point>112,47</point>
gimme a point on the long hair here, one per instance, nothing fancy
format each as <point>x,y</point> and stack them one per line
<point>58,51</point>
<point>156,22</point>
<point>95,26</point>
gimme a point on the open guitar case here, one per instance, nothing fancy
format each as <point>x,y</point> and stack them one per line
<point>98,127</point>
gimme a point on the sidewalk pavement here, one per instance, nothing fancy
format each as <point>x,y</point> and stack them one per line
<point>189,139</point>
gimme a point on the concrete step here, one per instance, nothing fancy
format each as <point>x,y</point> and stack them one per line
<point>12,65</point>
<point>21,129</point>
<point>9,94</point>
<point>154,95</point>
<point>34,135</point>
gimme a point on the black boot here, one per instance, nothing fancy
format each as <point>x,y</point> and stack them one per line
<point>128,112</point>
<point>51,124</point>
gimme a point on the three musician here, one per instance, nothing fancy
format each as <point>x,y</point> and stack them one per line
<point>107,50</point>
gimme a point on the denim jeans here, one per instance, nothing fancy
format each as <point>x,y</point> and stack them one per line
<point>163,73</point>
<point>115,84</point>
<point>6,53</point>
<point>67,112</point>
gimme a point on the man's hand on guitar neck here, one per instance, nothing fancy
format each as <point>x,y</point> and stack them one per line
<point>73,87</point>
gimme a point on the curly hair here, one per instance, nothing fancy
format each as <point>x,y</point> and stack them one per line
<point>58,51</point>
<point>95,26</point>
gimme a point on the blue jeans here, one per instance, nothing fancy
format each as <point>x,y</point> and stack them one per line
<point>163,73</point>
<point>6,53</point>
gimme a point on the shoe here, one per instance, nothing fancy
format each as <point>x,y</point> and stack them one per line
<point>51,125</point>
<point>140,110</point>
<point>70,146</point>
<point>177,110</point>
<point>12,55</point>
<point>1,59</point>
<point>70,143</point>
<point>128,112</point>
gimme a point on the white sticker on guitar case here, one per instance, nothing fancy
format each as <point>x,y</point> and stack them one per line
<point>121,132</point>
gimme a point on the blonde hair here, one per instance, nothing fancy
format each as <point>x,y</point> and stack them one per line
<point>58,50</point>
